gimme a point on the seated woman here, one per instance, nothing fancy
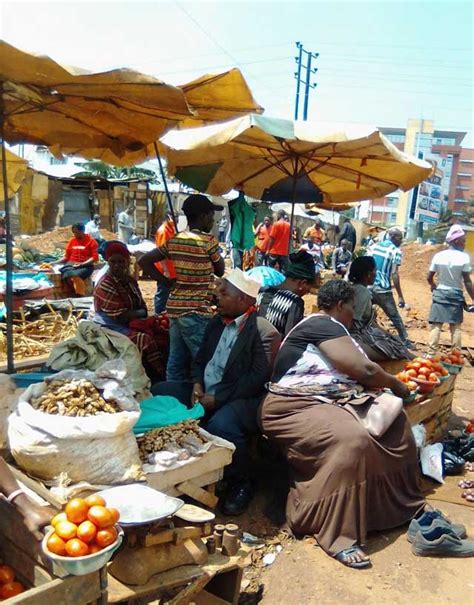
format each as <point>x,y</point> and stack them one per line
<point>78,260</point>
<point>378,344</point>
<point>118,302</point>
<point>344,482</point>
<point>283,305</point>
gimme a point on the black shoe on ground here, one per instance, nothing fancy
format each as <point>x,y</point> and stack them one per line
<point>238,498</point>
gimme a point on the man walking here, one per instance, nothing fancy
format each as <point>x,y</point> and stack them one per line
<point>195,257</point>
<point>453,269</point>
<point>279,242</point>
<point>348,233</point>
<point>388,258</point>
<point>126,224</point>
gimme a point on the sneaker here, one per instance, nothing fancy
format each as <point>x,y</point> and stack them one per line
<point>430,520</point>
<point>238,498</point>
<point>441,542</point>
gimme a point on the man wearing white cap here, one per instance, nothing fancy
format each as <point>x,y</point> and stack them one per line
<point>229,375</point>
<point>452,268</point>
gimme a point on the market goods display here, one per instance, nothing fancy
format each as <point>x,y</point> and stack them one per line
<point>9,586</point>
<point>453,361</point>
<point>424,373</point>
<point>72,398</point>
<point>33,338</point>
<point>85,527</point>
<point>182,436</point>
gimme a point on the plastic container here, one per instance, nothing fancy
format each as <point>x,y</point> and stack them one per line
<point>412,396</point>
<point>452,368</point>
<point>81,566</point>
<point>23,381</point>
<point>426,386</point>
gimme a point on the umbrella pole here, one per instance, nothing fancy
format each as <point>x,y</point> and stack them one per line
<point>9,255</point>
<point>293,199</point>
<point>168,195</point>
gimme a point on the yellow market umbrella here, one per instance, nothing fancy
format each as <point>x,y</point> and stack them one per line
<point>16,169</point>
<point>298,162</point>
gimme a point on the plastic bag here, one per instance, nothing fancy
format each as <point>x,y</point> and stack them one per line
<point>431,458</point>
<point>99,449</point>
<point>164,410</point>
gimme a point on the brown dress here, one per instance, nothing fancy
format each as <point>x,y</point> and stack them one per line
<point>344,483</point>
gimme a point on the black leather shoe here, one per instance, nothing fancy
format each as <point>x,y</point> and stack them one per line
<point>238,498</point>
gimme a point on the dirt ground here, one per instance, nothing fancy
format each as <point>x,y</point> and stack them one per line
<point>303,575</point>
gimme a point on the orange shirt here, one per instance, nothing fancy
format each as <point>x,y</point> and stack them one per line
<point>164,233</point>
<point>80,250</point>
<point>316,234</point>
<point>281,235</point>
<point>262,237</point>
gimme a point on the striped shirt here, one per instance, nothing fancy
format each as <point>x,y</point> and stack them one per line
<point>193,254</point>
<point>387,256</point>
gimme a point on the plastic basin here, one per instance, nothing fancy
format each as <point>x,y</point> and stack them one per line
<point>412,396</point>
<point>452,368</point>
<point>81,566</point>
<point>426,386</point>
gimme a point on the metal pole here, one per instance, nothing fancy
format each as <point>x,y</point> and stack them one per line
<point>299,46</point>
<point>168,196</point>
<point>306,89</point>
<point>9,251</point>
<point>293,198</point>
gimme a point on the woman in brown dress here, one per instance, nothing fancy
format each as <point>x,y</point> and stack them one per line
<point>344,482</point>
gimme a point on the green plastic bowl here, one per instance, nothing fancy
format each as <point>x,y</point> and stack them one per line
<point>452,368</point>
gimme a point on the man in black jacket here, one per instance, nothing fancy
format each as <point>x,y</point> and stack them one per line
<point>229,375</point>
<point>348,233</point>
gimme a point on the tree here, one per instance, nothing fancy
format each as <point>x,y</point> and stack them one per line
<point>98,169</point>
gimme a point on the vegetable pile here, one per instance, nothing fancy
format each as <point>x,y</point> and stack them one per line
<point>422,368</point>
<point>455,358</point>
<point>170,438</point>
<point>8,586</point>
<point>73,398</point>
<point>85,527</point>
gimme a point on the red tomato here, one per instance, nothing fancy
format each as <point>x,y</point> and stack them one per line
<point>95,500</point>
<point>424,371</point>
<point>411,373</point>
<point>6,574</point>
<point>76,548</point>
<point>432,377</point>
<point>56,545</point>
<point>106,537</point>
<point>76,510</point>
<point>11,590</point>
<point>100,516</point>
<point>86,531</point>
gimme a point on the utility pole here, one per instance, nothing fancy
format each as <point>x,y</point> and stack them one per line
<point>306,80</point>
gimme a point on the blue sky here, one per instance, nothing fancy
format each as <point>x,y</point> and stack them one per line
<point>380,62</point>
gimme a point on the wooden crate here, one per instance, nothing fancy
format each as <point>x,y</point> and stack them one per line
<point>19,549</point>
<point>432,410</point>
<point>191,478</point>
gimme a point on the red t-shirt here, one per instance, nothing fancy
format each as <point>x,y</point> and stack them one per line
<point>80,250</point>
<point>281,234</point>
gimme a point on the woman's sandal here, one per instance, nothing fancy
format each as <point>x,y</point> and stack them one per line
<point>343,557</point>
<point>466,483</point>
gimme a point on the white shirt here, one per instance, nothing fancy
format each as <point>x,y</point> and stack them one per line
<point>92,229</point>
<point>450,265</point>
<point>125,227</point>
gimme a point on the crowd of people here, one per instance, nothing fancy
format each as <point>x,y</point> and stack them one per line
<point>257,365</point>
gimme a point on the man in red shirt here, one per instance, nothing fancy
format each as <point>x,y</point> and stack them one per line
<point>279,242</point>
<point>165,232</point>
<point>79,258</point>
<point>262,239</point>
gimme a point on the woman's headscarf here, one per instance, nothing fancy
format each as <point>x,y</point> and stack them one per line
<point>301,266</point>
<point>454,233</point>
<point>113,248</point>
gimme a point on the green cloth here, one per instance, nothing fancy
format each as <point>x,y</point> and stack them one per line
<point>241,218</point>
<point>163,411</point>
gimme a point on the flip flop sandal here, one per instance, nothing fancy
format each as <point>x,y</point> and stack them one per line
<point>343,557</point>
<point>466,483</point>
<point>468,495</point>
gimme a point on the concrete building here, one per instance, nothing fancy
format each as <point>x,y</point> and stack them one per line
<point>451,187</point>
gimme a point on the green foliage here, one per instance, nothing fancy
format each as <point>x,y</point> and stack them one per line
<point>96,168</point>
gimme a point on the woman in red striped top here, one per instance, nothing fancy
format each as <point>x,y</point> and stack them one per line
<point>79,258</point>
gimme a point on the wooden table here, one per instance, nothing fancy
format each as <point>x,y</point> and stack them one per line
<point>220,577</point>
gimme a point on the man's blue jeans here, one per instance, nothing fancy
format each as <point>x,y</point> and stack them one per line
<point>387,303</point>
<point>186,337</point>
<point>161,297</point>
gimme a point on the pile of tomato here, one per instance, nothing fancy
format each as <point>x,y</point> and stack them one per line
<point>8,586</point>
<point>163,321</point>
<point>85,527</point>
<point>455,358</point>
<point>428,369</point>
